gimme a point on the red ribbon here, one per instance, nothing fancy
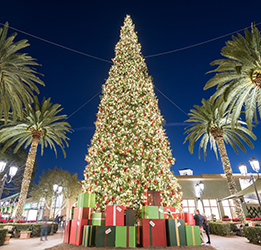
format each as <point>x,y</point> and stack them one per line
<point>127,237</point>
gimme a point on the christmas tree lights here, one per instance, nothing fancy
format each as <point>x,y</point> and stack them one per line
<point>129,152</point>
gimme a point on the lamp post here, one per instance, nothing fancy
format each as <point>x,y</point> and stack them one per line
<point>256,167</point>
<point>199,187</point>
<point>12,173</point>
<point>57,190</point>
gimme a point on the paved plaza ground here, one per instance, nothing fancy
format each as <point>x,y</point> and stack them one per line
<point>55,243</point>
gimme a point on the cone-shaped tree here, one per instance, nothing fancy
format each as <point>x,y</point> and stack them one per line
<point>129,152</point>
<point>212,124</point>
<point>17,79</point>
<point>40,125</point>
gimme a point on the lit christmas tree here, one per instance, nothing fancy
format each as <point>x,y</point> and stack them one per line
<point>129,151</point>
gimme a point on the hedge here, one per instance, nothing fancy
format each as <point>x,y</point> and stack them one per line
<point>219,228</point>
<point>3,233</point>
<point>253,234</point>
<point>34,227</point>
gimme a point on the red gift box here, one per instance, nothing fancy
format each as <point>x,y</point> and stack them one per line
<point>83,213</point>
<point>66,234</point>
<point>114,216</point>
<point>151,198</point>
<point>188,218</point>
<point>153,232</point>
<point>77,231</point>
<point>172,210</point>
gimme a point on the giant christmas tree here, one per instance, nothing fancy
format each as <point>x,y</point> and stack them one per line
<point>129,152</point>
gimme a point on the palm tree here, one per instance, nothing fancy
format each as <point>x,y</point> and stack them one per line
<point>238,77</point>
<point>40,125</point>
<point>17,79</point>
<point>212,124</point>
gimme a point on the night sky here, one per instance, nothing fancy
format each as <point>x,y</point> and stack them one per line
<point>93,28</point>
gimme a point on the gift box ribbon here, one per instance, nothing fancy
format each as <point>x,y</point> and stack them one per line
<point>193,236</point>
<point>177,232</point>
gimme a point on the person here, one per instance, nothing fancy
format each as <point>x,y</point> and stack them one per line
<point>206,227</point>
<point>199,222</point>
<point>44,227</point>
<point>56,219</point>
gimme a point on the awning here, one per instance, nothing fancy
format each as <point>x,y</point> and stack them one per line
<point>249,190</point>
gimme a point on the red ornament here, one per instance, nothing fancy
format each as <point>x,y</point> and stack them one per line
<point>155,182</point>
<point>128,180</point>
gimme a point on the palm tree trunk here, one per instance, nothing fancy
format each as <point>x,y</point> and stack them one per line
<point>230,178</point>
<point>26,179</point>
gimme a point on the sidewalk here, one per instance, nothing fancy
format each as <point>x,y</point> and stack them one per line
<point>232,243</point>
<point>34,243</point>
<point>217,242</point>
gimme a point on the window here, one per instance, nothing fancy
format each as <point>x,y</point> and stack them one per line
<point>211,207</point>
<point>189,206</point>
<point>228,208</point>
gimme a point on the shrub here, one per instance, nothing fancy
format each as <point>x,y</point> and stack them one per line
<point>225,216</point>
<point>3,233</point>
<point>34,227</point>
<point>253,234</point>
<point>219,228</point>
<point>249,216</point>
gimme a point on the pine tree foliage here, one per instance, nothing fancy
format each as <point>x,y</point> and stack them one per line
<point>129,152</point>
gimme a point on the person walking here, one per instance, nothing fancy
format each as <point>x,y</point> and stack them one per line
<point>44,227</point>
<point>206,227</point>
<point>199,222</point>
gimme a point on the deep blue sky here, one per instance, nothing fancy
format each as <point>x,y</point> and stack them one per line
<point>93,27</point>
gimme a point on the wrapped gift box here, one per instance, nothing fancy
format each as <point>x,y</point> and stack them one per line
<point>168,210</point>
<point>125,236</point>
<point>98,219</point>
<point>129,217</point>
<point>152,198</point>
<point>66,234</point>
<point>71,213</point>
<point>114,216</point>
<point>138,233</point>
<point>192,235</point>
<point>105,236</point>
<point>86,200</point>
<point>89,236</point>
<point>152,212</point>
<point>77,230</point>
<point>83,213</point>
<point>175,232</point>
<point>187,217</point>
<point>153,232</point>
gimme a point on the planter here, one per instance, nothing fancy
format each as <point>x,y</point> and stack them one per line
<point>25,234</point>
<point>7,238</point>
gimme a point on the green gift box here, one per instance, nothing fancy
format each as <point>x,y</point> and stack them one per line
<point>152,212</point>
<point>98,219</point>
<point>175,232</point>
<point>105,236</point>
<point>89,236</point>
<point>192,235</point>
<point>86,200</point>
<point>125,236</point>
<point>71,213</point>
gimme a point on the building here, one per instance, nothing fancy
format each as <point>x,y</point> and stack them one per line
<point>215,189</point>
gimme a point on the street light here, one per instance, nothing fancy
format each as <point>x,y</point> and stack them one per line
<point>255,166</point>
<point>199,188</point>
<point>12,173</point>
<point>57,190</point>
